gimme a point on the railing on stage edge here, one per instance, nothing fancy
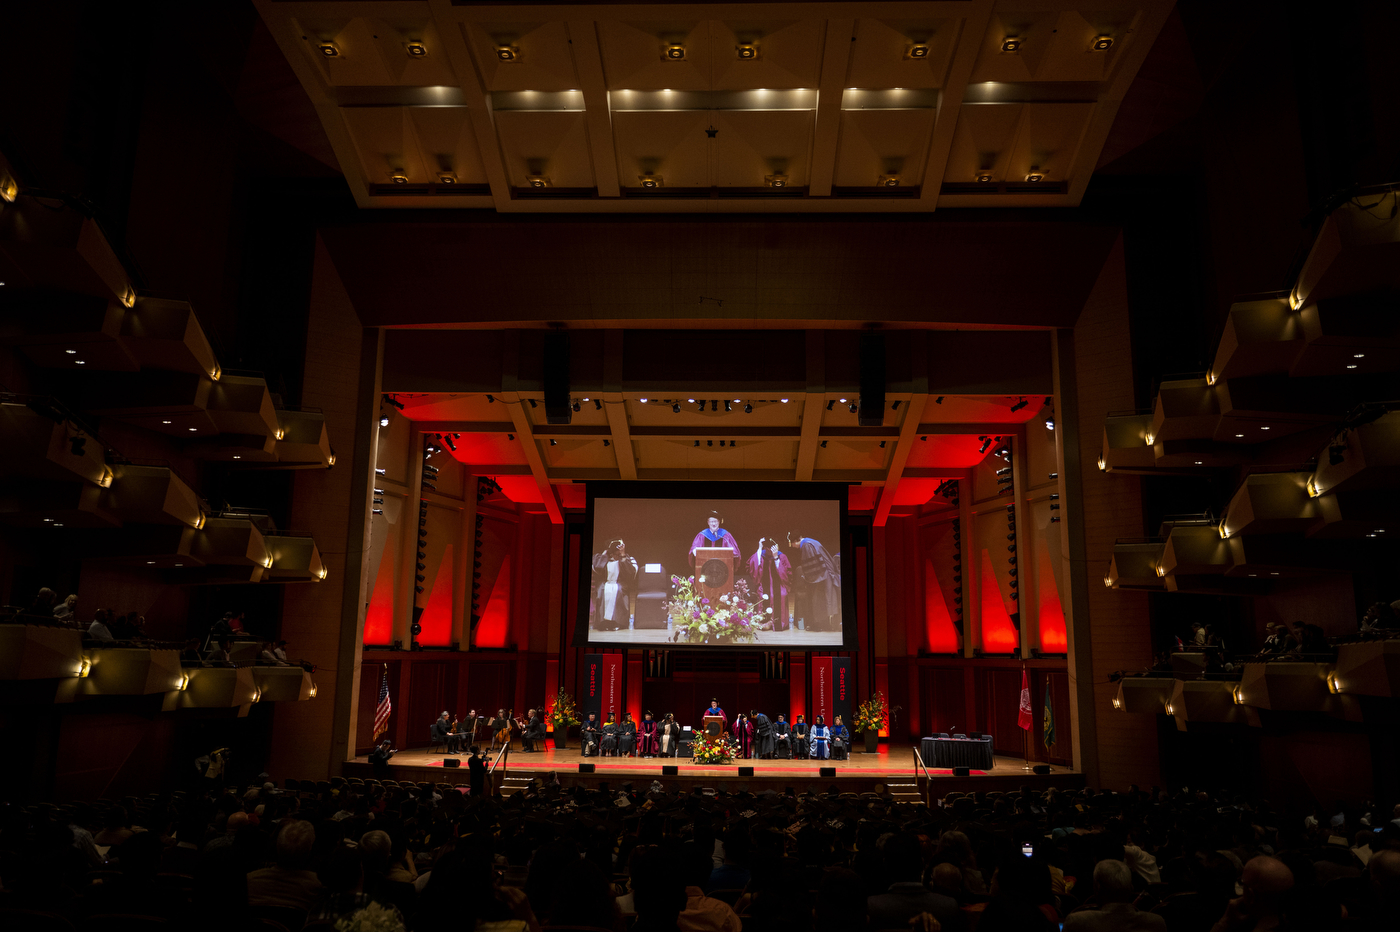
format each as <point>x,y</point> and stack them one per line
<point>500,761</point>
<point>923,780</point>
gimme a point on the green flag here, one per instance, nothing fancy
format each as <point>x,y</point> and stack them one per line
<point>1049,728</point>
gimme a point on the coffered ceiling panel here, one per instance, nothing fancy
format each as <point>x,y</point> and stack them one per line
<point>1048,139</point>
<point>386,143</point>
<point>446,142</point>
<point>634,55</point>
<point>376,52</point>
<point>983,142</point>
<point>788,54</point>
<point>540,58</point>
<point>882,54</point>
<point>882,142</point>
<point>551,144</point>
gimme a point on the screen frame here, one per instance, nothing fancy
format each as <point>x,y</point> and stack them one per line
<point>699,491</point>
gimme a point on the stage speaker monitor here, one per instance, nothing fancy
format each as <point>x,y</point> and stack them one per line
<point>828,771</point>
<point>585,768</point>
<point>450,762</point>
<point>1041,769</point>
<point>745,771</point>
<point>962,771</point>
<point>670,770</point>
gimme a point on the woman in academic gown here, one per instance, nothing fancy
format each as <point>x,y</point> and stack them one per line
<point>627,735</point>
<point>714,709</point>
<point>714,535</point>
<point>670,736</point>
<point>771,570</point>
<point>614,587</point>
<point>821,740</point>
<point>801,742</point>
<point>650,737</point>
<point>610,737</point>
<point>591,736</point>
<point>840,741</point>
<point>743,733</point>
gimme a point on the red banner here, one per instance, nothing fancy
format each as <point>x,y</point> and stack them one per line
<point>823,690</point>
<point>602,685</point>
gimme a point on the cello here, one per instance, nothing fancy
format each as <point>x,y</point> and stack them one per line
<point>503,736</point>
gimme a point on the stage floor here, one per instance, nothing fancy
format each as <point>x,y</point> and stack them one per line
<point>892,765</point>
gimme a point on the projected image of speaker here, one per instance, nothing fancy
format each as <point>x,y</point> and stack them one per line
<point>450,762</point>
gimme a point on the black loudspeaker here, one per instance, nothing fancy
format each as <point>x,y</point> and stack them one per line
<point>828,771</point>
<point>585,768</point>
<point>962,771</point>
<point>556,378</point>
<point>872,380</point>
<point>450,762</point>
<point>670,770</point>
<point>1041,769</point>
<point>748,771</point>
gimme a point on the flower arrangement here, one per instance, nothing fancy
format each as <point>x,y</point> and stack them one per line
<point>734,618</point>
<point>562,712</point>
<point>873,714</point>
<point>719,750</point>
<point>373,918</point>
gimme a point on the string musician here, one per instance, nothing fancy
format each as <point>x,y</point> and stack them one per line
<point>532,732</point>
<point>500,729</point>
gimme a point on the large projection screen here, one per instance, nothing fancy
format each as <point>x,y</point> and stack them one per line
<point>673,566</point>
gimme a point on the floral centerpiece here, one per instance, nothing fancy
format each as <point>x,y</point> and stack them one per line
<point>873,716</point>
<point>562,713</point>
<point>373,918</point>
<point>733,618</point>
<point>721,750</point>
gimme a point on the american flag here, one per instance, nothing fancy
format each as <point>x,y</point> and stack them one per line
<point>386,705</point>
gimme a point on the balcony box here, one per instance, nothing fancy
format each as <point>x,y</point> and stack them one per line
<point>131,671</point>
<point>215,688</point>
<point>283,684</point>
<point>1144,694</point>
<point>1369,668</point>
<point>1208,701</point>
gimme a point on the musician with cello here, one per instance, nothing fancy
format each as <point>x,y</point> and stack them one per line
<point>501,726</point>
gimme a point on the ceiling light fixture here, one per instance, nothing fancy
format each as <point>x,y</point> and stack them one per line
<point>553,442</point>
<point>79,362</point>
<point>748,409</point>
<point>983,176</point>
<point>1101,44</point>
<point>673,51</point>
<point>329,49</point>
<point>888,181</point>
<point>1049,423</point>
<point>650,181</point>
<point>643,400</point>
<point>776,180</point>
<point>1353,355</point>
<point>1035,175</point>
<point>676,408</point>
<point>831,404</point>
<point>507,53</point>
<point>746,51</point>
<point>1019,405</point>
<point>986,442</point>
<point>917,50</point>
<point>783,400</point>
<point>383,421</point>
<point>538,181</point>
<point>447,177</point>
<point>416,49</point>
<point>165,422</point>
<point>71,352</point>
<point>398,177</point>
<point>1011,44</point>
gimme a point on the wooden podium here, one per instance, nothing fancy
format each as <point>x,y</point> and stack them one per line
<point>713,726</point>
<point>716,564</point>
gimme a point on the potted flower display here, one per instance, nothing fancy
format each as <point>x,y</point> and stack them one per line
<point>872,716</point>
<point>733,618</point>
<point>720,750</point>
<point>562,714</point>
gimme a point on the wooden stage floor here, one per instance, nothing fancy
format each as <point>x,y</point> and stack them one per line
<point>891,766</point>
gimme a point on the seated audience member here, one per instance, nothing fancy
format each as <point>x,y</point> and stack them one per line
<point>703,913</point>
<point>269,655</point>
<point>43,604</point>
<point>219,654</point>
<point>1114,910</point>
<point>1266,883</point>
<point>290,881</point>
<point>98,630</point>
<point>907,896</point>
<point>1379,617</point>
<point>66,611</point>
<point>733,871</point>
<point>658,890</point>
<point>384,880</point>
<point>279,650</point>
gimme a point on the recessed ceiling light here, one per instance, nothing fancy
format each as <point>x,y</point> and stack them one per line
<point>398,177</point>
<point>71,352</point>
<point>746,51</point>
<point>508,53</point>
<point>150,562</point>
<point>1352,366</point>
<point>1239,435</point>
<point>165,422</point>
<point>984,177</point>
<point>737,400</point>
<point>1011,44</point>
<point>1264,428</point>
<point>783,400</point>
<point>1035,175</point>
<point>917,50</point>
<point>179,564</point>
<point>79,362</point>
<point>329,49</point>
<point>1358,355</point>
<point>1198,462</point>
<point>237,457</point>
<point>887,181</point>
<point>843,401</point>
<point>1101,43</point>
<point>538,181</point>
<point>673,52</point>
<point>690,401</point>
<point>447,177</point>
<point>644,401</point>
<point>192,429</point>
<point>416,49</point>
<point>48,519</point>
<point>649,181</point>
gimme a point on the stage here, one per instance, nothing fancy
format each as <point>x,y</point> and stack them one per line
<point>891,767</point>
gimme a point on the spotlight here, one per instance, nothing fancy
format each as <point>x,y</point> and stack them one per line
<point>823,444</point>
<point>1035,175</point>
<point>831,404</point>
<point>507,53</point>
<point>709,443</point>
<point>538,181</point>
<point>398,177</point>
<point>854,407</point>
<point>882,444</point>
<point>983,176</point>
<point>329,49</point>
<point>917,50</point>
<point>607,443</point>
<point>416,49</point>
<point>650,181</point>
<point>1011,44</point>
<point>727,407</point>
<point>673,51</point>
<point>597,405</point>
<point>553,442</point>
<point>643,401</point>
<point>676,408</point>
<point>1019,405</point>
<point>748,409</point>
<point>746,51</point>
<point>700,406</point>
<point>783,400</point>
<point>690,401</point>
<point>776,180</point>
<point>697,443</point>
<point>714,405</point>
<point>895,406</point>
<point>577,406</point>
<point>986,442</point>
<point>1101,44</point>
<point>1049,423</point>
<point>938,400</point>
<point>533,404</point>
<point>447,439</point>
<point>887,181</point>
<point>924,437</point>
<point>384,420</point>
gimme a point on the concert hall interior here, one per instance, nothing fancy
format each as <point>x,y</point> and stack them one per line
<point>1017,372</point>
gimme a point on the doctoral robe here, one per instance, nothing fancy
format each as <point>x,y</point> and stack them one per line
<point>627,738</point>
<point>762,736</point>
<point>743,732</point>
<point>720,538</point>
<point>782,740</point>
<point>801,745</point>
<point>840,743</point>
<point>592,738</point>
<point>818,586</point>
<point>610,737</point>
<point>773,576</point>
<point>614,589</point>
<point>650,737</point>
<point>821,742</point>
<point>723,719</point>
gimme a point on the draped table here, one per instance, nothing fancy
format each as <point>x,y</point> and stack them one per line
<point>975,753</point>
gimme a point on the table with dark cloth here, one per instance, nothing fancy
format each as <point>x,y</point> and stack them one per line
<point>975,753</point>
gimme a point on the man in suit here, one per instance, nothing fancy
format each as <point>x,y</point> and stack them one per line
<point>907,896</point>
<point>1113,890</point>
<point>534,731</point>
<point>379,759</point>
<point>438,733</point>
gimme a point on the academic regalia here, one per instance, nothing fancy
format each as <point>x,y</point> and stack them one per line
<point>650,738</point>
<point>627,738</point>
<point>610,737</point>
<point>670,739</point>
<point>762,736</point>
<point>840,743</point>
<point>592,737</point>
<point>614,588</point>
<point>723,719</point>
<point>743,731</point>
<point>818,586</point>
<point>821,742</point>
<point>720,538</point>
<point>773,575</point>
<point>801,743</point>
<point>782,740</point>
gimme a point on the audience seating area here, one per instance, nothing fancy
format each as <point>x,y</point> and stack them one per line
<point>382,855</point>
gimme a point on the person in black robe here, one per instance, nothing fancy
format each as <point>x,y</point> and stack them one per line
<point>782,739</point>
<point>591,736</point>
<point>818,584</point>
<point>800,747</point>
<point>610,737</point>
<point>534,731</point>
<point>379,759</point>
<point>614,587</point>
<point>840,741</point>
<point>670,736</point>
<point>627,735</point>
<point>762,736</point>
<point>476,766</point>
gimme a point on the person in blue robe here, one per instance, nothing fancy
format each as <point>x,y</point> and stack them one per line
<point>821,740</point>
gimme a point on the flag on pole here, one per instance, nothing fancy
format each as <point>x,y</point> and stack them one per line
<point>1049,718</point>
<point>386,705</point>
<point>1026,716</point>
